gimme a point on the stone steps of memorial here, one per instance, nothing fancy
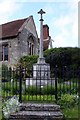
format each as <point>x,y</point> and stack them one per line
<point>35,111</point>
<point>39,115</point>
<point>39,107</point>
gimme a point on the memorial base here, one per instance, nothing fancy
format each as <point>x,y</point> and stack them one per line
<point>41,70</point>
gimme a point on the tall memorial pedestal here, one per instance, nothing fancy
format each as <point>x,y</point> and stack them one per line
<point>41,70</point>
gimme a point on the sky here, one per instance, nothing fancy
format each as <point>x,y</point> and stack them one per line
<point>61,17</point>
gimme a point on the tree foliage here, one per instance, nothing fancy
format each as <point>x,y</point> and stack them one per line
<point>66,59</point>
<point>63,56</point>
<point>28,61</point>
<point>67,56</point>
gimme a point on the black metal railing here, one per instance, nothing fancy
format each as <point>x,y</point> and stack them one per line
<point>20,82</point>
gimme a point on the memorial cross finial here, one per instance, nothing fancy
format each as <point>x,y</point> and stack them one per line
<point>41,12</point>
<point>41,58</point>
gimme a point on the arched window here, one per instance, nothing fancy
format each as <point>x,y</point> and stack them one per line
<point>30,45</point>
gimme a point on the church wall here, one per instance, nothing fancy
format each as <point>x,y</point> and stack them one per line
<point>31,29</point>
<point>13,51</point>
<point>23,42</point>
<point>24,38</point>
<point>19,46</point>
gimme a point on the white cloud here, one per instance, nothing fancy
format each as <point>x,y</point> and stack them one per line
<point>75,28</point>
<point>65,28</point>
<point>62,22</point>
<point>48,9</point>
<point>7,9</point>
<point>59,41</point>
<point>47,1</point>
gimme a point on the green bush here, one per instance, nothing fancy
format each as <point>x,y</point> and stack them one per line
<point>67,101</point>
<point>68,56</point>
<point>28,61</point>
<point>63,56</point>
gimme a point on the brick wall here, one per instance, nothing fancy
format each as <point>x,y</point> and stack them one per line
<point>45,31</point>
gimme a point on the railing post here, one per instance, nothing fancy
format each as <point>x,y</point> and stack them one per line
<point>20,85</point>
<point>56,92</point>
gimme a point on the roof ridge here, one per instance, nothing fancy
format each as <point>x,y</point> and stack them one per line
<point>7,30</point>
<point>14,21</point>
<point>24,23</point>
<point>17,20</point>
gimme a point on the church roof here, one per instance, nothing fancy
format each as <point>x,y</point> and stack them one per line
<point>11,29</point>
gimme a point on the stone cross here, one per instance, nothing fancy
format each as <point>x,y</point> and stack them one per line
<point>41,12</point>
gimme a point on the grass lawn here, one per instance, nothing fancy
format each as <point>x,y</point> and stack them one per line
<point>0,109</point>
<point>71,113</point>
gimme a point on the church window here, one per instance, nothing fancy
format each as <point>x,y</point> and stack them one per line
<point>31,45</point>
<point>4,53</point>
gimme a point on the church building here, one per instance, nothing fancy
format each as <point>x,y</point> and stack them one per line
<point>19,38</point>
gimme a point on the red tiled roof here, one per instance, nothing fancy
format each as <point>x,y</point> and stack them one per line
<point>11,29</point>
